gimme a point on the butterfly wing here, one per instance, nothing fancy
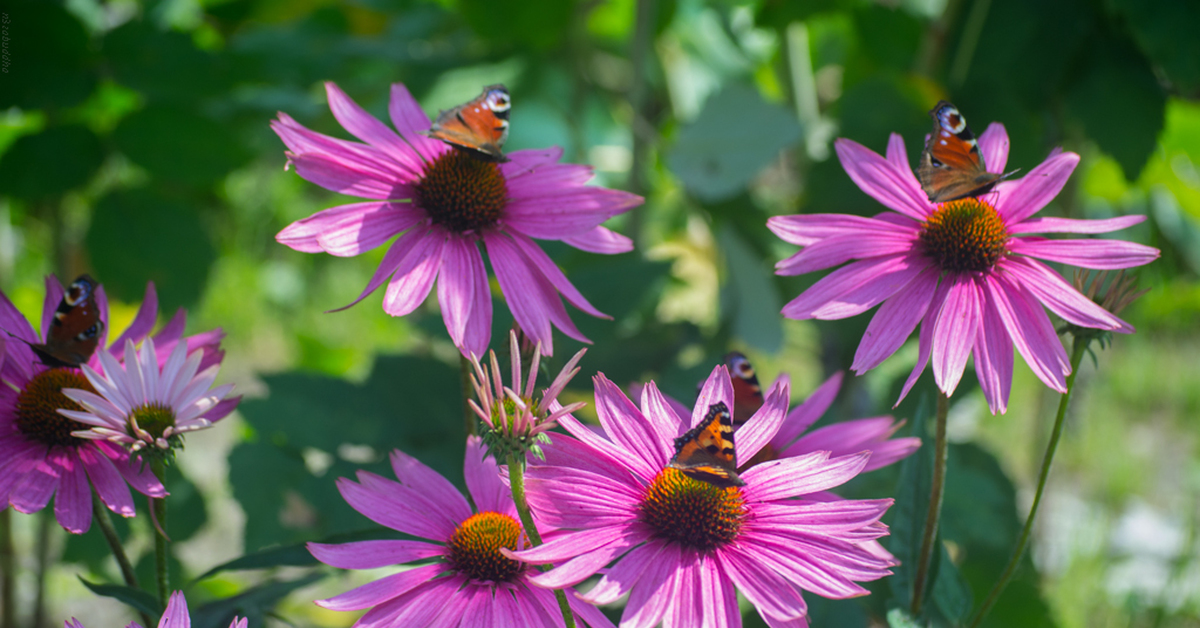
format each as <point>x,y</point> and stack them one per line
<point>951,166</point>
<point>706,452</point>
<point>747,394</point>
<point>479,126</point>
<point>75,328</point>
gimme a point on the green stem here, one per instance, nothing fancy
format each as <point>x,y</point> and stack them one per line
<point>936,491</point>
<point>8,599</point>
<point>161,542</point>
<point>468,392</point>
<point>1077,350</point>
<point>516,477</point>
<point>45,528</point>
<point>104,521</point>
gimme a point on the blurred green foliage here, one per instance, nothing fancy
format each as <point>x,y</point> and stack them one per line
<point>134,145</point>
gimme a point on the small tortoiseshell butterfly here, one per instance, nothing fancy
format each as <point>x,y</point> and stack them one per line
<point>706,453</point>
<point>479,126</point>
<point>75,328</point>
<point>747,394</point>
<point>951,166</point>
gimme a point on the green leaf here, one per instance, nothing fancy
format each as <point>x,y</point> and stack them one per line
<point>294,555</point>
<point>951,594</point>
<point>538,25</point>
<point>736,135</point>
<point>138,599</point>
<point>165,65</point>
<point>752,294</point>
<point>1119,102</point>
<point>1166,31</point>
<point>139,236</point>
<point>254,604</point>
<point>47,62</point>
<point>50,163</point>
<point>179,145</point>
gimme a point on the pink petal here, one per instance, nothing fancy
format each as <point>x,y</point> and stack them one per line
<point>406,248</point>
<point>388,504</point>
<point>791,477</point>
<point>895,321</point>
<point>571,545</point>
<point>806,229</point>
<point>954,332</point>
<point>300,140</point>
<point>685,607</point>
<point>809,572</point>
<point>1100,254</point>
<point>73,502</point>
<point>766,588</point>
<point>554,275</point>
<point>374,554</point>
<point>54,295</point>
<point>661,415</point>
<point>651,600</point>
<point>762,427</point>
<point>1035,190</point>
<point>1058,295</point>
<point>1074,225</point>
<point>840,249</point>
<point>457,290</point>
<point>567,214</point>
<point>430,486</point>
<point>548,178</point>
<point>35,489</point>
<point>368,128</point>
<point>383,589</point>
<point>176,613</point>
<point>624,574</point>
<point>571,498</point>
<point>855,288</point>
<point>360,231</point>
<point>139,476</point>
<point>104,476</point>
<point>408,118</point>
<point>530,295</point>
<point>718,388</point>
<point>1030,330</point>
<point>807,413</point>
<point>528,162</point>
<point>629,429</point>
<point>601,240</point>
<point>993,147</point>
<point>881,180</point>
<point>415,275</point>
<point>898,156</point>
<point>925,339</point>
<point>346,177</point>
<point>582,565</point>
<point>993,353</point>
<point>483,480</point>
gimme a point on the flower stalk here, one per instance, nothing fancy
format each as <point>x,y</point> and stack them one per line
<point>104,521</point>
<point>933,515</point>
<point>516,476</point>
<point>1078,347</point>
<point>158,512</point>
<point>8,611</point>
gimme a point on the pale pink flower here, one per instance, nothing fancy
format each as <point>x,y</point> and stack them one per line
<point>443,203</point>
<point>967,271</point>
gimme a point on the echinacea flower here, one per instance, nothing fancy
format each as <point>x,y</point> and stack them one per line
<point>141,405</point>
<point>682,547</point>
<point>967,271</point>
<point>468,582</point>
<point>442,202</point>
<point>517,421</point>
<point>40,457</point>
<point>175,616</point>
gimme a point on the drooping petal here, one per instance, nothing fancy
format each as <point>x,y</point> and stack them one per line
<point>954,332</point>
<point>806,229</point>
<point>142,323</point>
<point>1030,330</point>
<point>73,501</point>
<point>378,591</point>
<point>601,240</point>
<point>345,177</point>
<point>415,275</point>
<point>804,415</point>
<point>356,232</point>
<point>899,158</point>
<point>1062,298</point>
<point>836,250</point>
<point>993,353</point>
<point>856,287</point>
<point>567,213</point>
<point>457,291</point>
<point>113,490</point>
<point>554,275</point>
<point>895,321</point>
<point>405,247</point>
<point>791,477</point>
<point>374,554</point>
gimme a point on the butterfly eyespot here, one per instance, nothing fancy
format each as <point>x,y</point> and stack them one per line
<point>76,327</point>
<point>952,167</point>
<point>472,126</point>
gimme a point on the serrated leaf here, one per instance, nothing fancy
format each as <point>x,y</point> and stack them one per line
<point>137,599</point>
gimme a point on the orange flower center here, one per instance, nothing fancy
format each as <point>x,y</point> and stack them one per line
<point>694,514</point>
<point>475,547</point>
<point>965,235</point>
<point>38,404</point>
<point>461,192</point>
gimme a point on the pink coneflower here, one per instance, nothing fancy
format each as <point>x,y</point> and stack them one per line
<point>40,457</point>
<point>468,582</point>
<point>141,405</point>
<point>965,269</point>
<point>445,201</point>
<point>516,421</point>
<point>682,547</point>
<point>176,616</point>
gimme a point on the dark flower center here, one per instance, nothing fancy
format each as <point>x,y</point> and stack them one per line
<point>461,192</point>
<point>154,418</point>
<point>38,404</point>
<point>694,514</point>
<point>474,548</point>
<point>965,235</point>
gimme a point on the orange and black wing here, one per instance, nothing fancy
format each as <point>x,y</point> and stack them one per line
<point>747,394</point>
<point>951,166</point>
<point>75,329</point>
<point>706,452</point>
<point>479,126</point>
